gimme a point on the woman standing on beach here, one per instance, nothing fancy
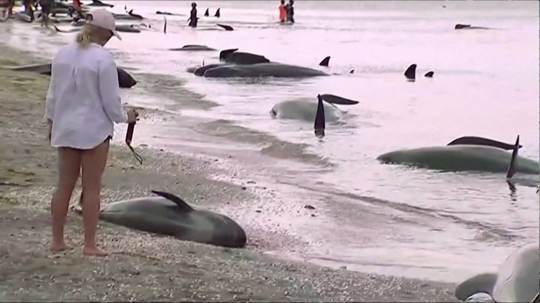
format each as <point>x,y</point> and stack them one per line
<point>83,102</point>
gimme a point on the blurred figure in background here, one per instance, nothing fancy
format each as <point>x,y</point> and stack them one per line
<point>193,15</point>
<point>290,11</point>
<point>282,11</point>
<point>29,8</point>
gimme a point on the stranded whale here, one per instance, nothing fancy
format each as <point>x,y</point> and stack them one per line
<point>170,215</point>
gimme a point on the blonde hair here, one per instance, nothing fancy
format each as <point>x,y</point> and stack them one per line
<point>91,33</point>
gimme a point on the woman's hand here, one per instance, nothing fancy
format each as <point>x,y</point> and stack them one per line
<point>132,116</point>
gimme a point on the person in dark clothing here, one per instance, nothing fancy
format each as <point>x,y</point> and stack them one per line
<point>193,15</point>
<point>290,11</point>
<point>28,8</point>
<point>45,11</point>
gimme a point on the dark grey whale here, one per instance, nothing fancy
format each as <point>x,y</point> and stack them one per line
<point>270,69</point>
<point>235,57</point>
<point>125,80</point>
<point>468,26</point>
<point>98,3</point>
<point>485,157</point>
<point>127,17</point>
<point>193,48</point>
<point>169,14</point>
<point>170,215</point>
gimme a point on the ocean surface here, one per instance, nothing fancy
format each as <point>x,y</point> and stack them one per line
<point>369,217</point>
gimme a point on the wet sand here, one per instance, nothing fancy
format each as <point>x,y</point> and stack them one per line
<point>144,267</point>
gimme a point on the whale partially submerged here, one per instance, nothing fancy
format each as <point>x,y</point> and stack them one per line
<point>169,215</point>
<point>306,110</point>
<point>193,48</point>
<point>127,28</point>
<point>271,69</point>
<point>463,155</point>
<point>468,26</point>
<point>98,3</point>
<point>248,65</point>
<point>515,281</point>
<point>129,16</point>
<point>125,80</point>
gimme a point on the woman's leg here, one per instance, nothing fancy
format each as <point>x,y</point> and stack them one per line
<point>93,165</point>
<point>69,163</point>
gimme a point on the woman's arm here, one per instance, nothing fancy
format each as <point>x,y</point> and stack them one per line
<point>109,90</point>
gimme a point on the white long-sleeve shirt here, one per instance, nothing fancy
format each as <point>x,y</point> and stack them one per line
<point>83,100</point>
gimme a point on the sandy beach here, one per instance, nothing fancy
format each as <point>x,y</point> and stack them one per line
<point>144,267</point>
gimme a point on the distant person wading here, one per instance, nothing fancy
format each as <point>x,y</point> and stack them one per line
<point>282,11</point>
<point>83,103</point>
<point>193,15</point>
<point>290,11</point>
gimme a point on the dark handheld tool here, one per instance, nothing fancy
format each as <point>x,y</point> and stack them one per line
<point>129,137</point>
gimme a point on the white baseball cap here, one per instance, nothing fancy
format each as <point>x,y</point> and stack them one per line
<point>104,19</point>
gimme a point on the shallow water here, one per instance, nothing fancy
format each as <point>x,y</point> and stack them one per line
<point>371,217</point>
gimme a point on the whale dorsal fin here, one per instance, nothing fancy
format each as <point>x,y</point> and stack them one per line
<point>320,122</point>
<point>512,165</point>
<point>410,73</point>
<point>182,205</point>
<point>471,140</point>
<point>325,61</point>
<point>333,99</point>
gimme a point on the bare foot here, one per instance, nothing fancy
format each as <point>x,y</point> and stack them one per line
<point>59,247</point>
<point>94,251</point>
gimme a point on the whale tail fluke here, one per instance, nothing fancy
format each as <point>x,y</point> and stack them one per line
<point>325,61</point>
<point>512,165</point>
<point>333,99</point>
<point>182,205</point>
<point>320,122</point>
<point>165,25</point>
<point>410,73</point>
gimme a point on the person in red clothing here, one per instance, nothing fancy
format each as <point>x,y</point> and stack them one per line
<point>77,8</point>
<point>282,11</point>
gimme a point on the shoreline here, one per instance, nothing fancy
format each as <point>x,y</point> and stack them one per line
<point>143,266</point>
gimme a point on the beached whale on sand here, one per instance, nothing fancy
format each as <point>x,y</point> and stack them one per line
<point>481,155</point>
<point>125,80</point>
<point>170,215</point>
<point>193,48</point>
<point>515,281</point>
<point>306,110</point>
<point>468,26</point>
